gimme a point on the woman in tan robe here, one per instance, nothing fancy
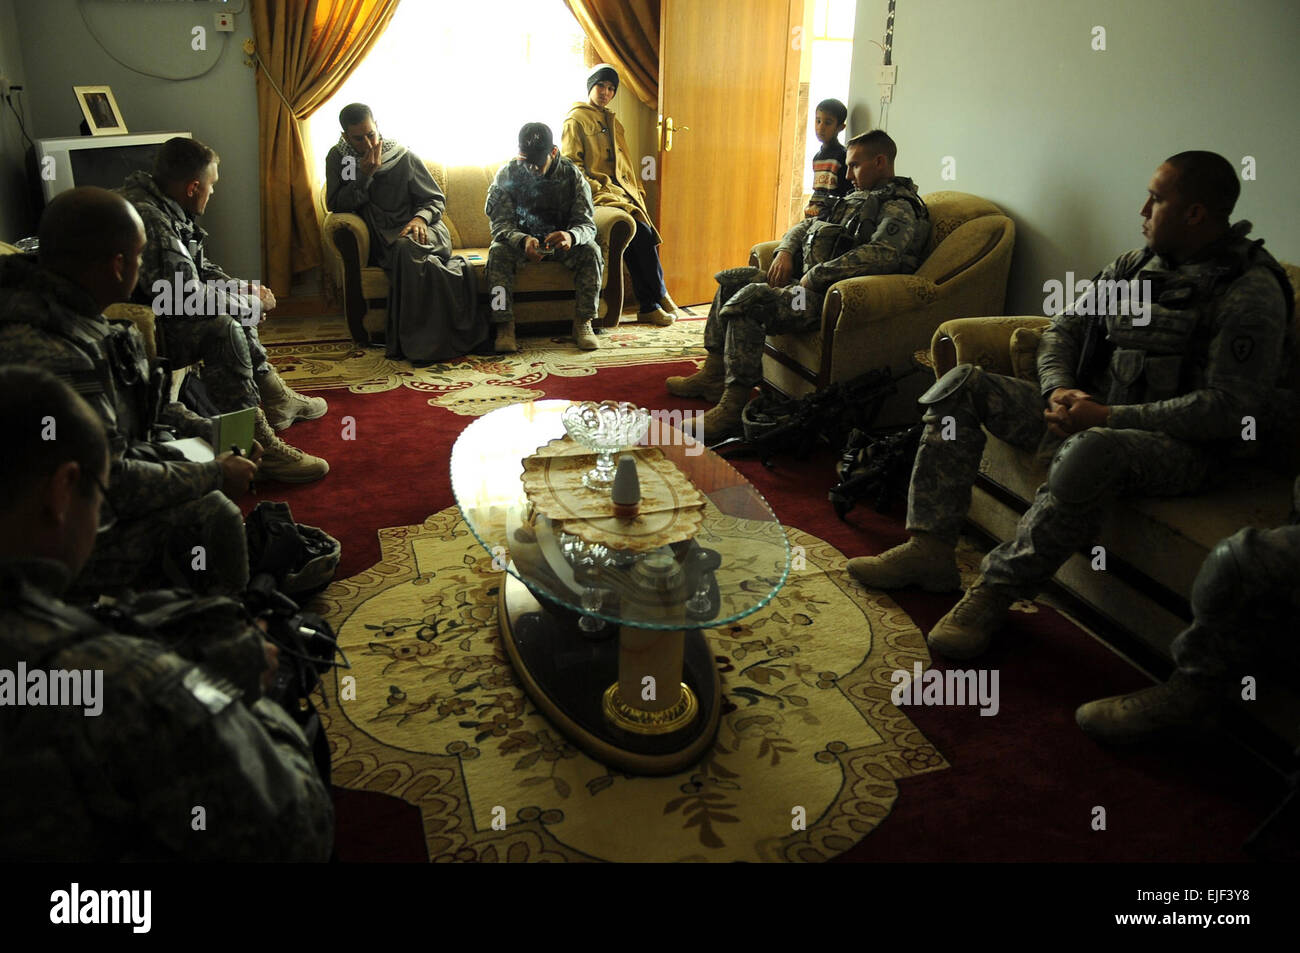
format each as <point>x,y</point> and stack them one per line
<point>592,138</point>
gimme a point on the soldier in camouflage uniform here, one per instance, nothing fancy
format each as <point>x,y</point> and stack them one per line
<point>540,209</point>
<point>882,228</point>
<point>171,760</point>
<point>164,505</point>
<point>1246,610</point>
<point>223,332</point>
<point>1151,406</point>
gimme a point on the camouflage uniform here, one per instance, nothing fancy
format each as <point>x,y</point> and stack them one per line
<point>1245,602</point>
<point>1177,389</point>
<point>225,337</point>
<point>172,736</point>
<point>521,203</point>
<point>881,232</point>
<point>165,505</point>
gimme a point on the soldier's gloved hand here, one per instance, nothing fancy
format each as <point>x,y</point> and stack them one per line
<point>236,474</point>
<point>778,276</point>
<point>532,249</point>
<point>559,241</point>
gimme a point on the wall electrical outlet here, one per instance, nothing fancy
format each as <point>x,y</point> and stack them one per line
<point>225,22</point>
<point>886,92</point>
<point>888,75</point>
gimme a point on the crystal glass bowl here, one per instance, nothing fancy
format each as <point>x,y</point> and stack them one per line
<point>606,427</point>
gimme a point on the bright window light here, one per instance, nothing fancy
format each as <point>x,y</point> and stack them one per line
<point>455,81</point>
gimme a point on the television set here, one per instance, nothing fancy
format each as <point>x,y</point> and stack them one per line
<point>104,161</point>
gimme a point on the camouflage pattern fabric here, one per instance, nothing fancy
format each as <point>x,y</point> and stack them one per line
<point>1228,338</point>
<point>1245,605</point>
<point>520,204</point>
<point>158,549</point>
<point>881,232</point>
<point>180,763</point>
<point>505,260</point>
<point>224,337</point>
<point>156,494</point>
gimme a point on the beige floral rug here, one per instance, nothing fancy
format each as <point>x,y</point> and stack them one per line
<point>806,763</point>
<point>316,356</point>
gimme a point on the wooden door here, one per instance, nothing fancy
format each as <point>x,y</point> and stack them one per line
<point>724,70</point>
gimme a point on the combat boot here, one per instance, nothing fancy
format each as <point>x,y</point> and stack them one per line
<point>921,561</point>
<point>283,404</point>
<point>724,421</point>
<point>505,342</point>
<point>1137,716</point>
<point>967,629</point>
<point>708,382</point>
<point>280,461</point>
<point>658,317</point>
<point>584,336</point>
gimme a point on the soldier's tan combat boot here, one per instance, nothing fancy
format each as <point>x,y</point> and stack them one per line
<point>505,342</point>
<point>921,561</point>
<point>584,336</point>
<point>282,462</point>
<point>967,629</point>
<point>1137,716</point>
<point>724,421</point>
<point>284,405</point>
<point>708,382</point>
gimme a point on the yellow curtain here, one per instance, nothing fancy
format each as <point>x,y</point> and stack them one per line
<point>625,34</point>
<point>306,50</point>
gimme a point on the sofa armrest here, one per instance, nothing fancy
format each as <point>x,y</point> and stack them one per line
<point>982,341</point>
<point>354,224</point>
<point>760,256</point>
<point>143,319</point>
<point>614,229</point>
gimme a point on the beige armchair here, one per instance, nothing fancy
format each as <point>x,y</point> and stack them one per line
<point>883,320</point>
<point>543,292</point>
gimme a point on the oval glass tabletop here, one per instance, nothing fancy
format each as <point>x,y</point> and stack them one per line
<point>731,566</point>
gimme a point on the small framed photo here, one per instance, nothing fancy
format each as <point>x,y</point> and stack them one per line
<point>100,109</point>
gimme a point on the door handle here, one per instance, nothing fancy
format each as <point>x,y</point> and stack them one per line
<point>668,142</point>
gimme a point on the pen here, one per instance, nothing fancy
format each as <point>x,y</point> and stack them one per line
<point>234,448</point>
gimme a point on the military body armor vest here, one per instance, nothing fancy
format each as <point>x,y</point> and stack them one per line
<point>120,383</point>
<point>1167,356</point>
<point>839,231</point>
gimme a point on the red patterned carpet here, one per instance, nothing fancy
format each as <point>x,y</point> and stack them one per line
<point>1022,786</point>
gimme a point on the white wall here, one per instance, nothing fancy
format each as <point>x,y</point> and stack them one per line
<point>1065,139</point>
<point>219,108</point>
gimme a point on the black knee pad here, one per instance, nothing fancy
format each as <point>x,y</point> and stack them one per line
<point>949,385</point>
<point>233,347</point>
<point>1220,587</point>
<point>1086,468</point>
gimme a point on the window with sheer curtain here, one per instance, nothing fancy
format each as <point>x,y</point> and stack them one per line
<point>455,81</point>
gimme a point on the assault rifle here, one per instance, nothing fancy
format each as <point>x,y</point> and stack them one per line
<point>784,425</point>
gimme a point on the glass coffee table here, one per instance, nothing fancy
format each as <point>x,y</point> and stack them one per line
<point>609,644</point>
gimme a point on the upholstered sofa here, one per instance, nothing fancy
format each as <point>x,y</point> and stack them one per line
<point>882,320</point>
<point>1154,546</point>
<point>543,291</point>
